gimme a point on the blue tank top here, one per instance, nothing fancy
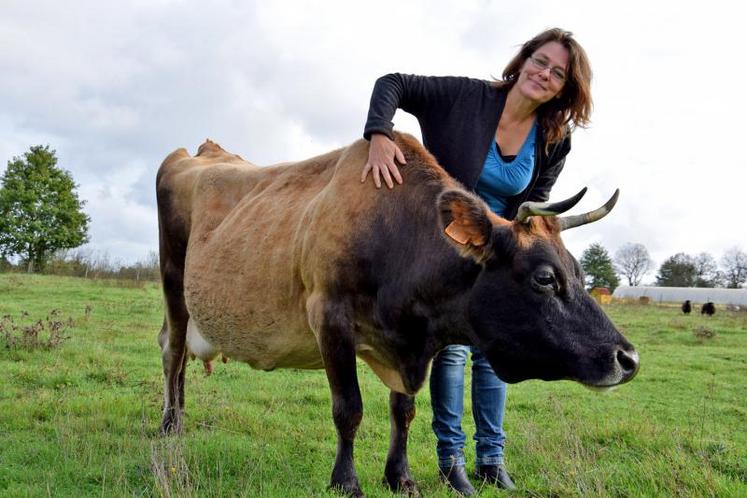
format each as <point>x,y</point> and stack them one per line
<point>501,179</point>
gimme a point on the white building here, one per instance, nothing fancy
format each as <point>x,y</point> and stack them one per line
<point>680,294</point>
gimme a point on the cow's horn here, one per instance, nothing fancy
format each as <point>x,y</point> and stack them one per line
<point>567,222</point>
<point>530,208</point>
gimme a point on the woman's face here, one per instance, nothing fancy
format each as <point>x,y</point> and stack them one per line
<point>544,73</point>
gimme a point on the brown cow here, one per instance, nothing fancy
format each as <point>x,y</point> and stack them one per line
<point>300,265</point>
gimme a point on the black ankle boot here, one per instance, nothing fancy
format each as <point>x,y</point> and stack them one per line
<point>495,474</point>
<point>456,477</point>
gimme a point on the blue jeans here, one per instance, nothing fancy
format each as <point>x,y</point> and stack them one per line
<point>447,401</point>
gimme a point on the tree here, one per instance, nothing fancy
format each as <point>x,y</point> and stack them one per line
<point>734,263</point>
<point>633,262</point>
<point>598,267</point>
<point>39,209</point>
<point>677,271</point>
<point>706,271</point>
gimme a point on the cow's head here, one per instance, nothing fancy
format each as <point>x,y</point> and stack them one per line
<point>528,308</point>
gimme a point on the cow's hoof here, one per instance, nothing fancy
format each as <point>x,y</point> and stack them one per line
<point>404,486</point>
<point>171,424</point>
<point>352,490</point>
<point>168,428</point>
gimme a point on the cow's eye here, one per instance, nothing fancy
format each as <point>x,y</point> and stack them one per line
<point>544,279</point>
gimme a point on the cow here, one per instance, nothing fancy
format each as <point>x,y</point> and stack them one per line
<point>708,309</point>
<point>300,265</point>
<point>687,307</point>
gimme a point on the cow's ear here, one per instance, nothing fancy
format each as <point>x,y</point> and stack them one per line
<point>465,223</point>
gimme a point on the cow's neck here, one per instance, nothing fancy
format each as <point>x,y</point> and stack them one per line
<point>448,303</point>
<point>434,317</point>
<point>416,284</point>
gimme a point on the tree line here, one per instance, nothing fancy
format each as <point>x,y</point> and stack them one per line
<point>42,218</point>
<point>93,265</point>
<point>632,262</point>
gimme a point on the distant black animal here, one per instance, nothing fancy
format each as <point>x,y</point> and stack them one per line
<point>708,309</point>
<point>686,307</point>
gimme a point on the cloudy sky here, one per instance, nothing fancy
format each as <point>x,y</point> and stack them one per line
<point>115,87</point>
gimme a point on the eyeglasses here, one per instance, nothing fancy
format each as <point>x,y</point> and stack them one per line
<point>555,72</point>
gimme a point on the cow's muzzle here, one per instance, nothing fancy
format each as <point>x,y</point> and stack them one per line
<point>625,366</point>
<point>629,364</point>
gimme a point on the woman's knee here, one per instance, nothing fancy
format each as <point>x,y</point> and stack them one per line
<point>454,355</point>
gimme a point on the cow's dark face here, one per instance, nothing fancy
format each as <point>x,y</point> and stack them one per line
<point>528,308</point>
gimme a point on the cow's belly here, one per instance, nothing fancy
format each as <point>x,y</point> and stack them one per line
<point>241,293</point>
<point>265,348</point>
<point>248,318</point>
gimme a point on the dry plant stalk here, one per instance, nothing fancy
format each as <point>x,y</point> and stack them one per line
<point>32,337</point>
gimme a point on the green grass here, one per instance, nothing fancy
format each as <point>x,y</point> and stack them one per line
<point>81,419</point>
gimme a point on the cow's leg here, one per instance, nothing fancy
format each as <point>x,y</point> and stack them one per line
<point>334,333</point>
<point>397,470</point>
<point>172,339</point>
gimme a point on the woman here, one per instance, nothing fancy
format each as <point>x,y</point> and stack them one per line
<point>506,140</point>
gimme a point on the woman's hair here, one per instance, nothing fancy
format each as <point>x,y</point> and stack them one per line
<point>573,105</point>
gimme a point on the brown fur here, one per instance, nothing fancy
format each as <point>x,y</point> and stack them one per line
<point>542,227</point>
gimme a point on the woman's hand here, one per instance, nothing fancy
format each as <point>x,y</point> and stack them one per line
<point>381,155</point>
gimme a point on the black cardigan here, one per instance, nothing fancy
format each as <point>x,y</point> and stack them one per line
<point>458,118</point>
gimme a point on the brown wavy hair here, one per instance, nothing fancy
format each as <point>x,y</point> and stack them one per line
<point>572,107</point>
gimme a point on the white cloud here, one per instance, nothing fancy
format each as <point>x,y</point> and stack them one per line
<point>115,87</point>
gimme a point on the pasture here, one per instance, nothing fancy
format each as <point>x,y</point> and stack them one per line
<point>79,414</point>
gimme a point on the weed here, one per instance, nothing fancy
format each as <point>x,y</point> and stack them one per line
<point>169,467</point>
<point>41,334</point>
<point>704,333</point>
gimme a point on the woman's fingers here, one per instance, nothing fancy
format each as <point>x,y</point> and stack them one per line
<point>366,169</point>
<point>387,176</point>
<point>382,156</point>
<point>376,176</point>
<point>401,158</point>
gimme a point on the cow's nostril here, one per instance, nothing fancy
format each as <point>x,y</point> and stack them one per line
<point>629,362</point>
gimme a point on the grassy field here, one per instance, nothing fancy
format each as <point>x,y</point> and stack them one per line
<point>79,412</point>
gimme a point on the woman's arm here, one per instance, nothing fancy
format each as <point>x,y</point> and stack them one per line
<point>413,94</point>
